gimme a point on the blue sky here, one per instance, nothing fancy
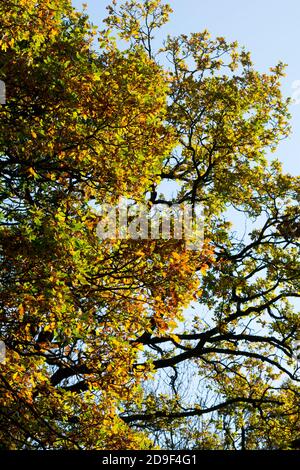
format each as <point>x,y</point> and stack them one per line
<point>270,29</point>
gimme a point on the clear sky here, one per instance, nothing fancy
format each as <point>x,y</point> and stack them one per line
<point>270,29</point>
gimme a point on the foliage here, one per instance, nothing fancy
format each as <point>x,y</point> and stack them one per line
<point>101,335</point>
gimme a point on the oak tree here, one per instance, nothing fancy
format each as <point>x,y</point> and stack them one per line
<point>131,344</point>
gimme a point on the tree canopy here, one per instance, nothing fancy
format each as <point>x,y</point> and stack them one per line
<point>137,344</point>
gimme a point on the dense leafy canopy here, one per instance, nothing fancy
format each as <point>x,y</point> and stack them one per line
<point>129,344</point>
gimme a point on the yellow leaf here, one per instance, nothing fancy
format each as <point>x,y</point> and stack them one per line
<point>175,255</point>
<point>32,172</point>
<point>21,310</point>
